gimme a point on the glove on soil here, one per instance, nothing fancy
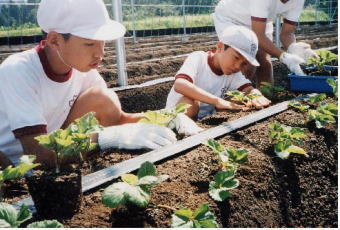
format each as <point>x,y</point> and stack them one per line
<point>301,49</point>
<point>184,125</point>
<point>292,62</point>
<point>135,136</point>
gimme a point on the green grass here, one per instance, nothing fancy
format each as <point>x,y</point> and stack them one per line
<point>308,14</point>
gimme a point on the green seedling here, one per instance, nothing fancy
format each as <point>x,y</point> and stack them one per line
<point>268,90</point>
<point>298,105</point>
<point>324,114</point>
<point>11,218</point>
<point>164,117</point>
<point>229,157</point>
<point>241,97</point>
<point>200,218</point>
<point>73,140</point>
<point>283,137</point>
<point>334,85</point>
<point>317,98</point>
<point>223,182</point>
<point>325,57</point>
<point>10,173</point>
<point>133,189</point>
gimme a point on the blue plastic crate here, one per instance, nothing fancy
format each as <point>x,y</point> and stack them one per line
<point>316,84</point>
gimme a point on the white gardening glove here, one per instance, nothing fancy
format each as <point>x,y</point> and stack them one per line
<point>184,125</point>
<point>135,136</point>
<point>292,62</point>
<point>301,49</point>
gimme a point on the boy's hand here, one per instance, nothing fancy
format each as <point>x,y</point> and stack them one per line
<point>222,104</point>
<point>258,102</point>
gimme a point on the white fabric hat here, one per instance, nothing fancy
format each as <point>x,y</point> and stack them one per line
<point>84,18</point>
<point>243,40</point>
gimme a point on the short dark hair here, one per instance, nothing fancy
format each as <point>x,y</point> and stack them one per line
<point>226,46</point>
<point>65,36</point>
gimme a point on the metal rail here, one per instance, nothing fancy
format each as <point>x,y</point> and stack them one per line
<point>100,177</point>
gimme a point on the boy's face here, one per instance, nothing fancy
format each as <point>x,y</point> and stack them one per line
<point>80,53</point>
<point>231,61</point>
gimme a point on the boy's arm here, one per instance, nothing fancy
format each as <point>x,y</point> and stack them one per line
<point>191,91</point>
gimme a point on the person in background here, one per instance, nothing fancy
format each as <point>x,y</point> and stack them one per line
<point>205,77</point>
<point>259,15</point>
<point>48,87</point>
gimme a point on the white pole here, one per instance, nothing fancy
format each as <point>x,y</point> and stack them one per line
<point>277,31</point>
<point>185,38</point>
<point>133,22</point>
<point>120,45</point>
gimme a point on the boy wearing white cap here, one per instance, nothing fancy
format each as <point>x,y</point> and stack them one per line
<point>46,88</point>
<point>205,77</point>
<point>259,15</point>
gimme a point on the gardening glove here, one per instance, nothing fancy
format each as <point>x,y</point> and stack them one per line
<point>135,136</point>
<point>293,62</point>
<point>301,49</point>
<point>184,125</point>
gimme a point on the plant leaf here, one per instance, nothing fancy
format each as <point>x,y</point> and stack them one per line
<point>24,214</point>
<point>181,222</point>
<point>46,224</point>
<point>146,169</point>
<point>129,178</point>
<point>9,215</point>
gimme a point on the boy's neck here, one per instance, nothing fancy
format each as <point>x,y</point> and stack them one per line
<point>213,63</point>
<point>57,66</point>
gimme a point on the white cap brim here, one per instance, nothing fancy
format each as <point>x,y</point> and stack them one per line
<point>111,30</point>
<point>249,58</point>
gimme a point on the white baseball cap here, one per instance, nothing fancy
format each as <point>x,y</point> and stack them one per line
<point>83,18</point>
<point>243,40</point>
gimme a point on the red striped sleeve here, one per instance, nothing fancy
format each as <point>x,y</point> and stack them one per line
<point>258,19</point>
<point>289,22</point>
<point>184,76</point>
<point>242,87</point>
<point>30,130</point>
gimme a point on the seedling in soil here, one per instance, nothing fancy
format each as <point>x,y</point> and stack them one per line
<point>75,139</point>
<point>334,85</point>
<point>324,114</point>
<point>318,98</point>
<point>223,182</point>
<point>164,117</point>
<point>133,189</point>
<point>268,90</point>
<point>325,57</point>
<point>10,173</point>
<point>299,106</point>
<point>200,218</point>
<point>229,157</point>
<point>283,137</point>
<point>242,98</point>
<point>11,218</point>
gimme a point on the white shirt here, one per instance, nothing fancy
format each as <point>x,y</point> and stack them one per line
<point>31,99</point>
<point>241,11</point>
<point>196,67</point>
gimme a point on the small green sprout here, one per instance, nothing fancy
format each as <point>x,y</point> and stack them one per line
<point>318,98</point>
<point>75,139</point>
<point>298,105</point>
<point>200,218</point>
<point>283,137</point>
<point>241,97</point>
<point>334,85</point>
<point>325,113</point>
<point>268,89</point>
<point>133,189</point>
<point>223,182</point>
<point>325,57</point>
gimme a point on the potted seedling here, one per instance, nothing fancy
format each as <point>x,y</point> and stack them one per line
<point>283,138</point>
<point>133,189</point>
<point>318,71</point>
<point>200,218</point>
<point>240,97</point>
<point>57,193</point>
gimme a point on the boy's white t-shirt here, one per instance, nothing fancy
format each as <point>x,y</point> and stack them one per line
<point>32,100</point>
<point>241,11</point>
<point>197,70</point>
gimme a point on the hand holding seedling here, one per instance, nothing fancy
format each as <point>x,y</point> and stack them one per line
<point>222,104</point>
<point>257,100</point>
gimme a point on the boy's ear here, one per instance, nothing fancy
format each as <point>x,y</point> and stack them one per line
<point>219,46</point>
<point>53,40</point>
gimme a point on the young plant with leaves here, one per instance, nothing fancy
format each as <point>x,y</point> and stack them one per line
<point>223,182</point>
<point>334,85</point>
<point>283,137</point>
<point>10,173</point>
<point>318,98</point>
<point>231,157</point>
<point>268,90</point>
<point>325,57</point>
<point>325,113</point>
<point>133,189</point>
<point>238,96</point>
<point>11,218</point>
<point>73,140</point>
<point>298,105</point>
<point>164,117</point>
<point>200,218</point>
